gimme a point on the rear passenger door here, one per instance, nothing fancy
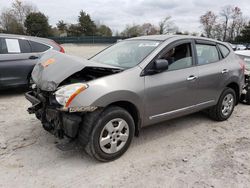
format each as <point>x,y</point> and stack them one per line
<point>211,71</point>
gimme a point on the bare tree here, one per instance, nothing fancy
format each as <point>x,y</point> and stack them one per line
<point>240,24</point>
<point>237,23</point>
<point>226,14</point>
<point>148,29</point>
<point>9,23</point>
<point>132,31</point>
<point>167,26</point>
<point>12,19</point>
<point>208,21</point>
<point>217,32</point>
<point>21,10</point>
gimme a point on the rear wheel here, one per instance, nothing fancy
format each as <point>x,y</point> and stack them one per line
<point>225,106</point>
<point>111,135</point>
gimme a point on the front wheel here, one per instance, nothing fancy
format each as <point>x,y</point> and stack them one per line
<point>225,106</point>
<point>111,135</point>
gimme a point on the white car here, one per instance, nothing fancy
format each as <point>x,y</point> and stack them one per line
<point>240,47</point>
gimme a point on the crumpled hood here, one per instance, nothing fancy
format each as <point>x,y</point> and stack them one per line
<point>54,67</point>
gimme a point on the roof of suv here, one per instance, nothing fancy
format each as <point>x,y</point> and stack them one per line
<point>166,37</point>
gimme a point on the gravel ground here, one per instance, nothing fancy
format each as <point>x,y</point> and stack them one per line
<point>191,151</point>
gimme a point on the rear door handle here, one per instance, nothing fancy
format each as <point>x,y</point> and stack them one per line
<point>192,77</point>
<point>224,71</point>
<point>33,57</point>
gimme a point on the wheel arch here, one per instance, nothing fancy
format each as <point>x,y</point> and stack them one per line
<point>236,88</point>
<point>133,111</point>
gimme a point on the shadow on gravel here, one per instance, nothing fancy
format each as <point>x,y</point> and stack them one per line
<point>155,132</point>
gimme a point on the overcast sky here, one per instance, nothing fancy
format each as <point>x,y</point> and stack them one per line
<point>118,13</point>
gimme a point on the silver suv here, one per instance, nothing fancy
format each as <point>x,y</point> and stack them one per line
<point>104,101</point>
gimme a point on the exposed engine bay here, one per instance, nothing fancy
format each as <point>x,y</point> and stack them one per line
<point>89,73</point>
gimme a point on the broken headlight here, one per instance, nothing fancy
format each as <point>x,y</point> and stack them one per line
<point>65,94</point>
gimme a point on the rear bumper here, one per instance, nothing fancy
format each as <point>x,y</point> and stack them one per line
<point>54,120</point>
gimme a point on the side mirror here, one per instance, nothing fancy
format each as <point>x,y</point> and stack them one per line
<point>161,65</point>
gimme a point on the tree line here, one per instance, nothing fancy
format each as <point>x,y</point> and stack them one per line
<point>24,18</point>
<point>228,25</point>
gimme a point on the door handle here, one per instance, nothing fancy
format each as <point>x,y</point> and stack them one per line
<point>224,71</point>
<point>192,78</point>
<point>33,57</point>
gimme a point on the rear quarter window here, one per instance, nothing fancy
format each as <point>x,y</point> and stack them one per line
<point>38,47</point>
<point>224,50</point>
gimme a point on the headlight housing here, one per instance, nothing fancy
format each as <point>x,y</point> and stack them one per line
<point>65,94</point>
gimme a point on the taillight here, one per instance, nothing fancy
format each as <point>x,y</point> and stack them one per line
<point>61,48</point>
<point>242,65</point>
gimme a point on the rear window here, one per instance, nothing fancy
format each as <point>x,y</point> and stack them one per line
<point>207,54</point>
<point>224,50</point>
<point>38,47</point>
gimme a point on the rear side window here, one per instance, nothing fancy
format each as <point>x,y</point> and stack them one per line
<point>38,47</point>
<point>3,46</point>
<point>24,46</point>
<point>207,54</point>
<point>224,50</point>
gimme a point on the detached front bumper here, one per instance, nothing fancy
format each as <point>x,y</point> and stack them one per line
<point>53,118</point>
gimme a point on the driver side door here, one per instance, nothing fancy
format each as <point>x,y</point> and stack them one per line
<point>171,93</point>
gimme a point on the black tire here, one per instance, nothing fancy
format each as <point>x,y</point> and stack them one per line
<point>94,125</point>
<point>216,111</point>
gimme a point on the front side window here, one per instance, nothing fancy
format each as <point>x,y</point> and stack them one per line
<point>206,54</point>
<point>126,54</point>
<point>179,57</point>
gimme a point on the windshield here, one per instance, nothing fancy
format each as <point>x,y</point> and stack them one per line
<point>126,54</point>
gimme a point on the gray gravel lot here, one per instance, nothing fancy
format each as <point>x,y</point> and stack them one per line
<point>191,151</point>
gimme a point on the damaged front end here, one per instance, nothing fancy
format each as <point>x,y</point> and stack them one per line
<point>53,117</point>
<point>58,79</point>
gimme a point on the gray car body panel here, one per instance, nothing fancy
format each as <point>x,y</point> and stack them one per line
<point>157,97</point>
